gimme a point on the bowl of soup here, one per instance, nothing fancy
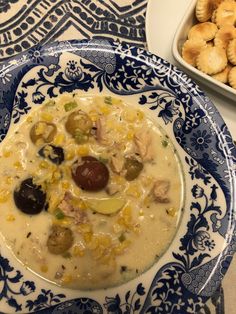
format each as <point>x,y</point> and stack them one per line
<point>118,183</point>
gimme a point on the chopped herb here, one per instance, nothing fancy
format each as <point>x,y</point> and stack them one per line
<point>103,160</point>
<point>171,211</point>
<point>50,103</point>
<point>28,234</point>
<point>66,255</point>
<point>123,269</point>
<point>108,100</point>
<point>164,143</point>
<point>59,214</point>
<point>70,105</point>
<point>122,237</point>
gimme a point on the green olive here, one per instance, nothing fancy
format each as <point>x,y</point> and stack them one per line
<point>78,122</point>
<point>133,168</point>
<point>59,240</point>
<point>43,131</point>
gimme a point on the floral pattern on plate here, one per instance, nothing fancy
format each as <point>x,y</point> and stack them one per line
<point>192,268</point>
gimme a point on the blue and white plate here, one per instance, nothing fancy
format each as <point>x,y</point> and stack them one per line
<point>193,266</point>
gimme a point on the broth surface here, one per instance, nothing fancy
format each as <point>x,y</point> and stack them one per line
<point>111,234</point>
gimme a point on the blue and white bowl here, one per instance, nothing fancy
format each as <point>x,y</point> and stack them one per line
<point>193,266</point>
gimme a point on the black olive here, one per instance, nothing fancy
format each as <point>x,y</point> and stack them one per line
<point>29,197</point>
<point>54,153</point>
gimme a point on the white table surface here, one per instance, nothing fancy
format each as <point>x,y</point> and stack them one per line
<point>162,21</point>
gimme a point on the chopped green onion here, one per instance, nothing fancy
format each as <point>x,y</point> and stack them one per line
<point>50,103</point>
<point>70,105</point>
<point>66,255</point>
<point>59,214</point>
<point>164,143</point>
<point>103,160</point>
<point>108,100</point>
<point>122,237</point>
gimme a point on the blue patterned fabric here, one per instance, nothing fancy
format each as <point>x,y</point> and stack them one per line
<point>46,20</point>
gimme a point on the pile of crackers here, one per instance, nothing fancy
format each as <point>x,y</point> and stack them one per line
<point>211,43</point>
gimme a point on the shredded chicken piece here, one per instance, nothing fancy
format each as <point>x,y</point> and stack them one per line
<point>101,131</point>
<point>113,188</point>
<point>160,190</point>
<point>70,210</point>
<point>117,163</point>
<point>144,144</point>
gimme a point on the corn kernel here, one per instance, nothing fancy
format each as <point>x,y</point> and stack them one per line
<point>140,115</point>
<point>130,115</point>
<point>69,155</point>
<point>18,165</point>
<point>84,228</point>
<point>4,195</point>
<point>44,268</point>
<point>65,185</point>
<point>44,165</point>
<point>118,180</point>
<point>29,119</point>
<point>147,181</point>
<point>93,115</point>
<point>77,192</point>
<point>117,101</point>
<point>171,211</point>
<point>82,205</point>
<point>105,110</point>
<point>117,228</point>
<point>130,135</point>
<point>54,200</point>
<point>120,248</point>
<point>67,279</point>
<point>10,217</point>
<point>119,128</point>
<point>40,128</point>
<point>125,218</point>
<point>133,190</point>
<point>136,228</point>
<point>56,176</point>
<point>63,222</point>
<point>78,250</point>
<point>147,201</point>
<point>7,153</point>
<point>87,237</point>
<point>46,117</point>
<point>141,212</point>
<point>8,180</point>
<point>83,150</point>
<point>59,139</point>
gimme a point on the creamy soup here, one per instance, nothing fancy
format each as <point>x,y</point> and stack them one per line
<point>90,193</point>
